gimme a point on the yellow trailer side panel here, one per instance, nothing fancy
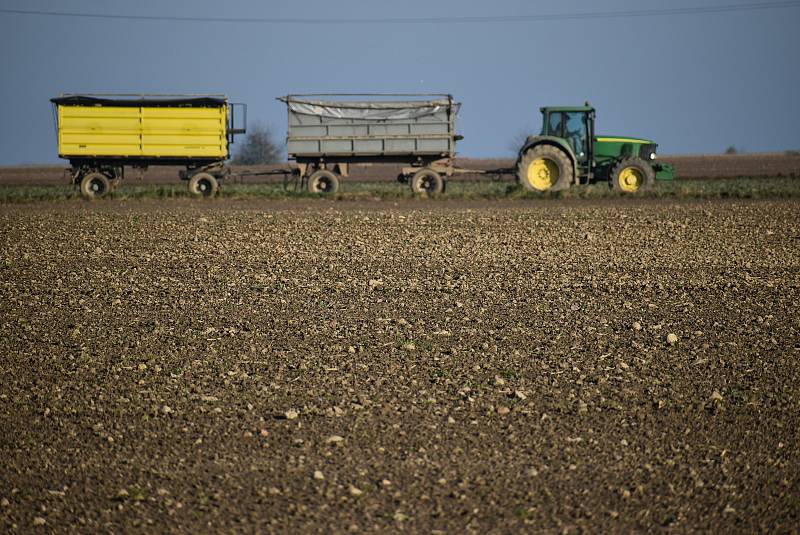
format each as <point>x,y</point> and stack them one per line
<point>98,131</point>
<point>142,131</point>
<point>184,132</point>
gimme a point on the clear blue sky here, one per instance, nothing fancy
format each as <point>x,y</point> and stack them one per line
<point>694,83</point>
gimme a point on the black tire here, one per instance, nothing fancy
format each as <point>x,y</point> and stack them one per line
<point>323,181</point>
<point>630,175</point>
<point>545,168</point>
<point>427,181</point>
<point>95,185</point>
<point>203,185</point>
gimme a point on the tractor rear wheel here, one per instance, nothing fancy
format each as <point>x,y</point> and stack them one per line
<point>427,181</point>
<point>203,185</point>
<point>545,168</point>
<point>631,175</point>
<point>95,185</point>
<point>323,181</point>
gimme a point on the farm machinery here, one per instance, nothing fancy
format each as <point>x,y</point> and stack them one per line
<point>326,134</point>
<point>416,130</point>
<point>101,134</point>
<point>567,151</point>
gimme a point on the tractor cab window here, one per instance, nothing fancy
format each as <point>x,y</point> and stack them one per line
<point>575,131</point>
<point>554,124</point>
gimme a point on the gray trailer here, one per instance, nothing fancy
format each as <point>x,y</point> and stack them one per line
<point>329,132</point>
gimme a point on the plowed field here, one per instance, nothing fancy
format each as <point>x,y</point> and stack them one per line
<point>561,366</point>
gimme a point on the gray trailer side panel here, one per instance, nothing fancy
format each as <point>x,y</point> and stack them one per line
<point>360,128</point>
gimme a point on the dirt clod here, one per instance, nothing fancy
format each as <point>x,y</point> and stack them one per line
<point>672,339</point>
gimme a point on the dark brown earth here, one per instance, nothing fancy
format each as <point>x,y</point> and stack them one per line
<point>686,167</point>
<point>423,367</point>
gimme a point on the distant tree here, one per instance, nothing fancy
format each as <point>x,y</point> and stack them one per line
<point>516,142</point>
<point>731,150</point>
<point>258,147</point>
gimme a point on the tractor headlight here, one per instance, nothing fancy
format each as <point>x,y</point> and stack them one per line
<point>652,155</point>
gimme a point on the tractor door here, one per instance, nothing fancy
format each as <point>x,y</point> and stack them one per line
<point>576,132</point>
<point>572,127</point>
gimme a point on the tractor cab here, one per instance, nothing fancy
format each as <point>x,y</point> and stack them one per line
<point>573,124</point>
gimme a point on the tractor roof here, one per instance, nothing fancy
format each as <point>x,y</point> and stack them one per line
<point>566,108</point>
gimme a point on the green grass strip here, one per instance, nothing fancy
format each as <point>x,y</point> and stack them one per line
<point>734,188</point>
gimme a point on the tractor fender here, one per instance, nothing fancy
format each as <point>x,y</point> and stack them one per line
<point>550,140</point>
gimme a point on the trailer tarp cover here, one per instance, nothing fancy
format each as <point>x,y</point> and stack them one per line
<point>89,100</point>
<point>370,110</point>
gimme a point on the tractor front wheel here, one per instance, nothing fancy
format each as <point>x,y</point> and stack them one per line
<point>545,168</point>
<point>631,175</point>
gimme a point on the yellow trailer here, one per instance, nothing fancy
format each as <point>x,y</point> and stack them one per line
<point>101,134</point>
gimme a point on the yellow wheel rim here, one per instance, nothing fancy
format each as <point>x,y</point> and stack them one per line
<point>543,173</point>
<point>630,179</point>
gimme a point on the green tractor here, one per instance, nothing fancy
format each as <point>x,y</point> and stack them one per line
<point>567,151</point>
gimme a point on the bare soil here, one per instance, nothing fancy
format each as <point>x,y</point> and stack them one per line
<point>256,366</point>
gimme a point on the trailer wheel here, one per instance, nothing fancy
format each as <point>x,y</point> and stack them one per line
<point>95,185</point>
<point>544,168</point>
<point>631,175</point>
<point>427,181</point>
<point>323,181</point>
<point>203,185</point>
